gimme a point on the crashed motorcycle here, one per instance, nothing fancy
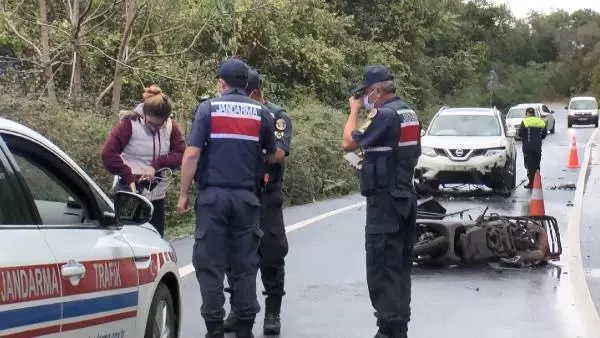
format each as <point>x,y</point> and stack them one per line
<point>511,240</point>
<point>441,240</point>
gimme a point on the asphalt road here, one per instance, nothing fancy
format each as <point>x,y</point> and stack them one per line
<point>326,287</point>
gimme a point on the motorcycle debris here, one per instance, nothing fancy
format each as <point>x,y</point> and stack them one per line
<point>566,186</point>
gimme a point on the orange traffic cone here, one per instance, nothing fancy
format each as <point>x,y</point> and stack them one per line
<point>536,206</point>
<point>573,155</point>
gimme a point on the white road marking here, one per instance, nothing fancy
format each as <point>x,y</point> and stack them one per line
<point>188,269</point>
<point>580,292</point>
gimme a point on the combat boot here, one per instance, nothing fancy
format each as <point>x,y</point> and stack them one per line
<point>230,322</point>
<point>530,183</point>
<point>272,324</point>
<point>243,329</point>
<point>214,330</point>
<point>393,335</point>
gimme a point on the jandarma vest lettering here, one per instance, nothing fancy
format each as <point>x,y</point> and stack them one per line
<point>232,155</point>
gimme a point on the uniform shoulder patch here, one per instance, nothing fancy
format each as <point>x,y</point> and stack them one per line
<point>365,125</point>
<point>372,113</point>
<point>280,124</point>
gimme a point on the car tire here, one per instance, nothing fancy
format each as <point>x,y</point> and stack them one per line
<point>162,305</point>
<point>569,123</point>
<point>507,181</point>
<point>553,128</point>
<point>596,123</point>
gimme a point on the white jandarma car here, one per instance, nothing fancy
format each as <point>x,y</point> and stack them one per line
<point>72,262</point>
<point>467,146</point>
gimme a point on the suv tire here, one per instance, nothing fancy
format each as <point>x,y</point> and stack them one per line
<point>569,123</point>
<point>507,181</point>
<point>596,123</point>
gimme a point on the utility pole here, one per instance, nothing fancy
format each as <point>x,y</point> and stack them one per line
<point>491,79</point>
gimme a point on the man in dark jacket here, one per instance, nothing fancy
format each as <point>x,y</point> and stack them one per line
<point>532,132</point>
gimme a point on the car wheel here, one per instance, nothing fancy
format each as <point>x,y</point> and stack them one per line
<point>509,176</point>
<point>596,123</point>
<point>506,181</point>
<point>569,123</point>
<point>553,127</point>
<point>161,319</point>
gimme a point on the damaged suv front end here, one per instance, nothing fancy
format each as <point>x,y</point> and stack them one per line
<point>468,146</point>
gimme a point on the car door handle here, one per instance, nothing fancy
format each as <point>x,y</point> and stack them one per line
<point>74,271</point>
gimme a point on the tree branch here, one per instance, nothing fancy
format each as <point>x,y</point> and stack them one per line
<point>25,39</point>
<point>128,66</point>
<point>12,59</point>
<point>103,93</point>
<point>68,7</point>
<point>93,16</point>
<point>174,53</point>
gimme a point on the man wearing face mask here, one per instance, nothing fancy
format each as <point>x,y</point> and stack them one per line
<point>226,144</point>
<point>274,244</point>
<point>390,141</point>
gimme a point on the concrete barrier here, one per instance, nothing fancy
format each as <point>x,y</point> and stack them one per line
<point>582,298</point>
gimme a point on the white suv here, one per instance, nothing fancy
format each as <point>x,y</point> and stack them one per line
<point>468,145</point>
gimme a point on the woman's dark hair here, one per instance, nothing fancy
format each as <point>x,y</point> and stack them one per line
<point>156,103</point>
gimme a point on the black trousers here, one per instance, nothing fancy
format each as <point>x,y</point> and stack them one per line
<point>532,160</point>
<point>389,236</point>
<point>273,246</point>
<point>158,217</point>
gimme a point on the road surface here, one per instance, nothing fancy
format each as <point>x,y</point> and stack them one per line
<point>326,286</point>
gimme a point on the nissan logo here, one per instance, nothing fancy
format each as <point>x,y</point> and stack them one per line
<point>459,152</point>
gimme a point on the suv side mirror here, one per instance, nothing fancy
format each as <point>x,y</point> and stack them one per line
<point>422,132</point>
<point>132,209</point>
<point>566,107</point>
<point>552,112</point>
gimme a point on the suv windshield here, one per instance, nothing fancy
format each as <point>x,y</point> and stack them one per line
<point>516,113</point>
<point>583,105</point>
<point>465,125</point>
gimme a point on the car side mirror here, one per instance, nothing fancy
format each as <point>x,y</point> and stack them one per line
<point>566,107</point>
<point>132,209</point>
<point>422,132</point>
<point>552,112</point>
<point>73,204</point>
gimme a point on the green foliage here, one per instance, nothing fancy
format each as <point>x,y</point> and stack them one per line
<point>310,53</point>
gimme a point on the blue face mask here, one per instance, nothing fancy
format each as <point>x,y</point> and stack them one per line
<point>366,104</point>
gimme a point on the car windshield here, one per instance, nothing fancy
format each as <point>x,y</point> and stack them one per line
<point>465,125</point>
<point>583,104</point>
<point>516,113</point>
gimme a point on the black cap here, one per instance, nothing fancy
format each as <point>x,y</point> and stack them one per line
<point>530,110</point>
<point>373,74</point>
<point>253,81</point>
<point>234,72</point>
